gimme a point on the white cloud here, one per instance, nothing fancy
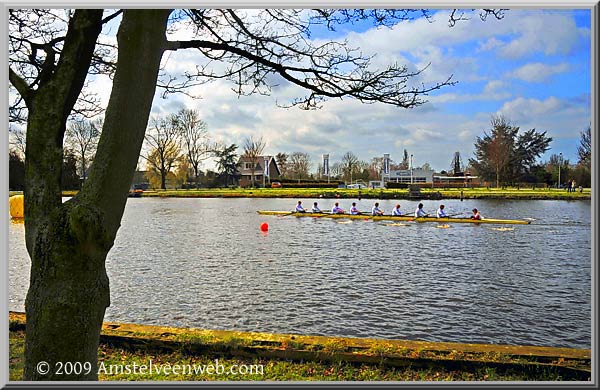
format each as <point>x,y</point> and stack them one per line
<point>522,108</point>
<point>429,132</point>
<point>493,86</point>
<point>538,72</point>
<point>490,44</point>
<point>561,117</point>
<point>465,135</point>
<point>492,91</point>
<point>550,32</point>
<point>426,135</point>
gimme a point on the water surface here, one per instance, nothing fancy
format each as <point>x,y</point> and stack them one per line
<point>205,263</point>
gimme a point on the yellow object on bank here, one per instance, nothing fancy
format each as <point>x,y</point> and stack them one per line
<point>15,203</point>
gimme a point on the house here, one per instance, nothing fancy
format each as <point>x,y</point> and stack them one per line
<point>246,166</point>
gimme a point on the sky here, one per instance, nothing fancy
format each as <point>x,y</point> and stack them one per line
<point>533,67</point>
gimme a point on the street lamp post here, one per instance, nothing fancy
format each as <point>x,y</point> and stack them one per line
<point>559,164</point>
<point>411,169</point>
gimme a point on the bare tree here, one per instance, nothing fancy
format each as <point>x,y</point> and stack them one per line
<point>335,170</point>
<point>299,165</point>
<point>194,135</point>
<point>375,167</point>
<point>164,143</point>
<point>37,41</point>
<point>52,52</point>
<point>253,149</point>
<point>17,138</point>
<point>350,165</point>
<point>82,139</point>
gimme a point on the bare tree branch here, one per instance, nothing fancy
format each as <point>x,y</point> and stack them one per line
<point>254,50</point>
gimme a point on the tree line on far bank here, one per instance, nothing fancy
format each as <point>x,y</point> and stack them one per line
<point>178,144</point>
<point>507,156</point>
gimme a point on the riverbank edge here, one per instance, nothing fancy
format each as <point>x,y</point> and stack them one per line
<point>569,363</point>
<point>331,193</point>
<point>385,195</point>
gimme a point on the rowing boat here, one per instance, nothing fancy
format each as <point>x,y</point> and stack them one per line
<point>397,218</point>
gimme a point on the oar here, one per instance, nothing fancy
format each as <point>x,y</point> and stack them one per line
<point>453,215</point>
<point>425,216</point>
<point>323,213</point>
<point>286,214</point>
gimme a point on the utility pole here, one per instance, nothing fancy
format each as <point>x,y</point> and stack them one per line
<point>411,169</point>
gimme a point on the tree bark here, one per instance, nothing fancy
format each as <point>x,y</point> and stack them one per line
<point>49,107</point>
<point>163,177</point>
<point>69,288</point>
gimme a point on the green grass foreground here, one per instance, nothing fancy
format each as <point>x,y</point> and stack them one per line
<point>288,357</point>
<point>273,369</point>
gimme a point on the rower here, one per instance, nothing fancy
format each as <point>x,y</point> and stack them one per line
<point>354,209</point>
<point>336,209</point>
<point>376,210</point>
<point>396,212</point>
<point>441,213</point>
<point>299,208</point>
<point>315,208</point>
<point>476,215</point>
<point>419,212</point>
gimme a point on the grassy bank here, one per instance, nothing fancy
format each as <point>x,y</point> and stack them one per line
<point>312,358</point>
<point>433,193</point>
<point>444,193</point>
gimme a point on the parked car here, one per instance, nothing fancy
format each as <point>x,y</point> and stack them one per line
<point>356,186</point>
<point>276,184</point>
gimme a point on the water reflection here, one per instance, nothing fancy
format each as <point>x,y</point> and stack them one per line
<point>205,263</point>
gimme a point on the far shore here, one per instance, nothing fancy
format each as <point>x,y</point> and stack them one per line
<point>525,193</point>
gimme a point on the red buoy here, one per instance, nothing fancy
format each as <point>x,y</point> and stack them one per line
<point>264,227</point>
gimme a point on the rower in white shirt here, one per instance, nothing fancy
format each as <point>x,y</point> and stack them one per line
<point>396,212</point>
<point>441,213</point>
<point>299,208</point>
<point>376,210</point>
<point>336,209</point>
<point>315,208</point>
<point>354,209</point>
<point>419,212</point>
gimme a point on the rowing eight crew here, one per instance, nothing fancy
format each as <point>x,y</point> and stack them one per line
<point>376,211</point>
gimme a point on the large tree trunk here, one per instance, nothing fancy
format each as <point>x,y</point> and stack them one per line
<point>49,107</point>
<point>163,179</point>
<point>69,289</point>
<point>83,164</point>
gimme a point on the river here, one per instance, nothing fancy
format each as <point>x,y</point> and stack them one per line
<point>205,263</point>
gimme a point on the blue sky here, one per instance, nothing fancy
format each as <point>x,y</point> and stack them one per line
<point>533,67</point>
